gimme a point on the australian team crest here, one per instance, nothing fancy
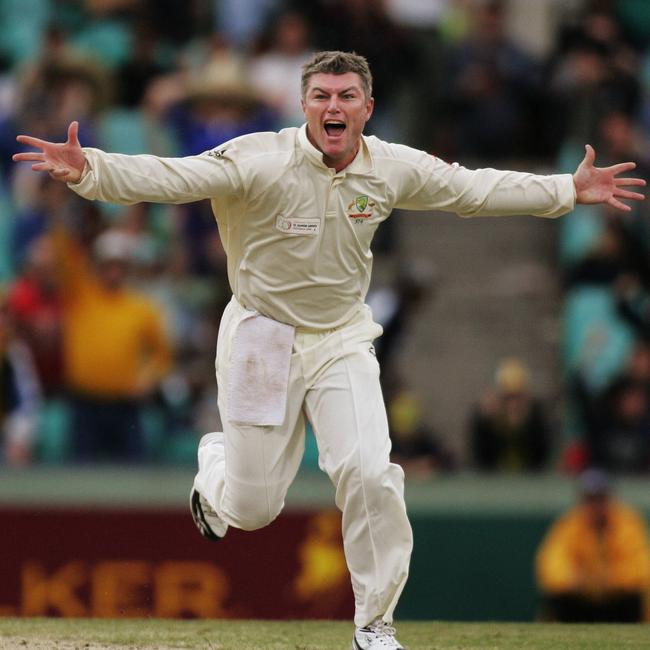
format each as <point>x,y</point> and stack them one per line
<point>360,208</point>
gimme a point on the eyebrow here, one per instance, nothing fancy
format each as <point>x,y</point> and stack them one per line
<point>329,92</point>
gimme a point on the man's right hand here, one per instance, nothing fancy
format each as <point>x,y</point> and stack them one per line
<point>63,161</point>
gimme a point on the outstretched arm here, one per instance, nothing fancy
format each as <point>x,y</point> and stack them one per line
<point>603,185</point>
<point>119,178</point>
<point>64,161</point>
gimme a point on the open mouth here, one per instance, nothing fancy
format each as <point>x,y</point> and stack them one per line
<point>334,127</point>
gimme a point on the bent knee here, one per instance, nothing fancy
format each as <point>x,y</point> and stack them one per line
<point>252,521</point>
<point>247,515</point>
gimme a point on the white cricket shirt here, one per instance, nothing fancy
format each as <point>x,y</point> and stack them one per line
<point>297,234</point>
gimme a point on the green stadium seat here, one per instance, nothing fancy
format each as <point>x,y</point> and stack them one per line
<point>53,438</point>
<point>6,219</point>
<point>122,130</point>
<point>108,41</point>
<point>23,22</point>
<point>596,339</point>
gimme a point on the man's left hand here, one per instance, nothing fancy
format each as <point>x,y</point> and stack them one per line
<point>603,185</point>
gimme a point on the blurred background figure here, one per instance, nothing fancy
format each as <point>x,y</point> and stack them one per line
<point>277,68</point>
<point>507,430</point>
<point>116,350</point>
<point>34,302</point>
<point>19,394</point>
<point>395,307</point>
<point>618,419</point>
<point>491,87</point>
<point>593,71</point>
<point>594,563</point>
<point>415,446</point>
<point>216,100</point>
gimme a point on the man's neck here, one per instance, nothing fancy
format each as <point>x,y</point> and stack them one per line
<point>340,166</point>
<point>337,166</point>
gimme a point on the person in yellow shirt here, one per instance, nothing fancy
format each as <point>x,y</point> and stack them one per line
<point>115,347</point>
<point>594,563</point>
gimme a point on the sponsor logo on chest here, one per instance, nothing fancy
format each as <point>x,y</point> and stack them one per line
<point>297,226</point>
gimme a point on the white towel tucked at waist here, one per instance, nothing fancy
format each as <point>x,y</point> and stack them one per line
<point>259,371</point>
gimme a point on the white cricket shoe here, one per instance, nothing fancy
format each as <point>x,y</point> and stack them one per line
<point>376,636</point>
<point>209,523</point>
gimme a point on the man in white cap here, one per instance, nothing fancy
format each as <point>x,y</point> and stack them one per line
<point>296,212</point>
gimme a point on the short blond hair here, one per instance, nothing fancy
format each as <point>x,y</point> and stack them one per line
<point>335,62</point>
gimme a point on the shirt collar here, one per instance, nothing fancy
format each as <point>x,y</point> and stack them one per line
<point>362,163</point>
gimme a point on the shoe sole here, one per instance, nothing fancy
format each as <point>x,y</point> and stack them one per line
<point>199,517</point>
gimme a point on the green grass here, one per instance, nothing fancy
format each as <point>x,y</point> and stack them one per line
<point>85,634</point>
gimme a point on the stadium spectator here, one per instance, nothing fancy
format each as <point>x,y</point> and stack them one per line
<point>244,20</point>
<point>593,565</point>
<point>633,303</point>
<point>508,431</point>
<point>136,73</point>
<point>19,394</point>
<point>275,72</point>
<point>415,446</point>
<point>395,307</point>
<point>218,102</point>
<point>190,306</point>
<point>42,200</point>
<point>607,260</point>
<point>594,71</point>
<point>34,302</point>
<point>617,419</point>
<point>115,348</point>
<point>491,88</point>
<point>60,83</point>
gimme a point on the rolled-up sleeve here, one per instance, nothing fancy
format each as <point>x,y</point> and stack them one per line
<point>433,184</point>
<point>119,178</point>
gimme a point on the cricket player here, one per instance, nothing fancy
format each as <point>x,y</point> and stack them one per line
<point>296,212</point>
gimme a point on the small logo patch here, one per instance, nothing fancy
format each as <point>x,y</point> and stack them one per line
<point>360,208</point>
<point>298,226</point>
<point>217,153</point>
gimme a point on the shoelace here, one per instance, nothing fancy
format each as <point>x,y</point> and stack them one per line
<point>386,631</point>
<point>383,628</point>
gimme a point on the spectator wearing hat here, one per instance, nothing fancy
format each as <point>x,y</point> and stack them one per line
<point>594,563</point>
<point>507,429</point>
<point>216,102</point>
<point>211,102</point>
<point>115,347</point>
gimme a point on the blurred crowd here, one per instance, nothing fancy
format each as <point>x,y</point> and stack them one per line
<point>108,315</point>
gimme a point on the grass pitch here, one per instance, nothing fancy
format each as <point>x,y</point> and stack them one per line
<point>85,634</point>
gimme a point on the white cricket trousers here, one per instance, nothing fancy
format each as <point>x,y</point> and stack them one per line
<point>334,382</point>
